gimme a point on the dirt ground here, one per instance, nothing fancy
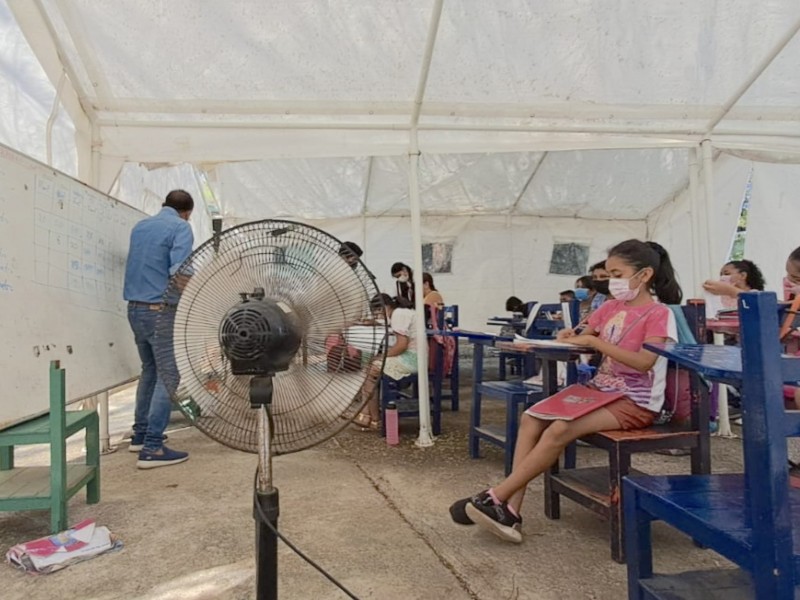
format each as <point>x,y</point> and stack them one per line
<point>374,516</point>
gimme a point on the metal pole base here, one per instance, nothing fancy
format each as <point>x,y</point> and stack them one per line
<point>266,506</point>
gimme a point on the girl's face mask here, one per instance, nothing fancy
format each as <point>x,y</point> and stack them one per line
<point>402,278</point>
<point>620,288</point>
<point>581,294</point>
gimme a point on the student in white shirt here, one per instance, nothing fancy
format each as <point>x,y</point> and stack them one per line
<point>401,357</point>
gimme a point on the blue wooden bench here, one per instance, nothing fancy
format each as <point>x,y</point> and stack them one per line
<point>748,518</point>
<point>50,488</point>
<point>517,396</point>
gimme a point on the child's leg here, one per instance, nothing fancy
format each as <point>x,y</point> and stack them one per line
<point>551,443</point>
<point>530,431</point>
<point>369,391</point>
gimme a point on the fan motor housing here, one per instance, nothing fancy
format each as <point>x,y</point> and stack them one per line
<point>259,336</point>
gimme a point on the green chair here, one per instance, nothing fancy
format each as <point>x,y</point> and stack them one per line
<point>50,488</point>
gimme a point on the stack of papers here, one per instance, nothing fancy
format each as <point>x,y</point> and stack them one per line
<point>52,553</point>
<point>523,341</point>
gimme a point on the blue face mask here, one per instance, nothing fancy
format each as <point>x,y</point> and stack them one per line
<point>581,294</point>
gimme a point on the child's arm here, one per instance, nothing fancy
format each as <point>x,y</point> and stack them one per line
<point>580,329</point>
<point>720,288</point>
<point>400,346</point>
<point>642,361</point>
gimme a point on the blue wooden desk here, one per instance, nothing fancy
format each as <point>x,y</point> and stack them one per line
<point>748,518</point>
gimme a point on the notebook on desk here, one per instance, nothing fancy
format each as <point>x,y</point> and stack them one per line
<point>571,403</point>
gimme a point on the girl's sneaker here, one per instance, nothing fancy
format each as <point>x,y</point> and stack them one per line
<point>458,512</point>
<point>496,518</point>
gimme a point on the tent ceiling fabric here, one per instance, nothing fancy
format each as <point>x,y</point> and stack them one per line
<point>563,108</point>
<point>597,184</point>
<point>615,67</point>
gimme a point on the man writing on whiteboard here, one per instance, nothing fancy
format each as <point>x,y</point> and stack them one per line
<point>158,246</point>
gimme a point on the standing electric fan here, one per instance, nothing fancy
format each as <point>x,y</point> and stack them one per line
<point>266,355</point>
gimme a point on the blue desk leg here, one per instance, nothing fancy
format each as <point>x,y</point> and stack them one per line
<point>638,543</point>
<point>475,411</point>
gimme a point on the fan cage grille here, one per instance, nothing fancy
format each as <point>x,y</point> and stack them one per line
<point>299,267</point>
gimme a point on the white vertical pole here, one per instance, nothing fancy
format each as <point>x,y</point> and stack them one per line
<point>425,435</point>
<point>694,217</point>
<point>708,205</point>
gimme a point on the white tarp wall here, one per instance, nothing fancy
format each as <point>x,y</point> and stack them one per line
<point>671,224</point>
<point>493,257</point>
<point>773,228</point>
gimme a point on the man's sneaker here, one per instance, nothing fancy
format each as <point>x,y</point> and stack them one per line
<point>161,458</point>
<point>137,443</point>
<point>496,518</point>
<point>458,512</point>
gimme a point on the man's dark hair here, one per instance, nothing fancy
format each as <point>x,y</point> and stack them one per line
<point>350,249</point>
<point>599,265</point>
<point>180,200</point>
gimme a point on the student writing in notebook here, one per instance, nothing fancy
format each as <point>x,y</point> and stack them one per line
<point>641,278</point>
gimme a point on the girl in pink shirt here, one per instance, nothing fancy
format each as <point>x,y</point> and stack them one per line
<point>641,275</point>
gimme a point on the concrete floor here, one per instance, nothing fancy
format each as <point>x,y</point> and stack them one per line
<point>374,516</point>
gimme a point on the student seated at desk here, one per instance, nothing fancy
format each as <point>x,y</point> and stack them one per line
<point>642,278</point>
<point>566,296</point>
<point>735,277</point>
<point>585,293</point>
<point>517,306</point>
<point>791,289</point>
<point>600,279</point>
<point>401,358</point>
<point>430,294</point>
<point>404,280</point>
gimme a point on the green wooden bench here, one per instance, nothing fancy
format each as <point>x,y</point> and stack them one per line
<point>50,488</point>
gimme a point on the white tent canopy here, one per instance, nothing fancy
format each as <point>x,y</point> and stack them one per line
<point>508,126</point>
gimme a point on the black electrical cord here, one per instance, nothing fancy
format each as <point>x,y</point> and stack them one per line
<point>294,548</point>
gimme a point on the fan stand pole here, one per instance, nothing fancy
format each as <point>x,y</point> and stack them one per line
<point>266,510</point>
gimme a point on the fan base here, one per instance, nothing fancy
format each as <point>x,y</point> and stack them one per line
<point>265,512</point>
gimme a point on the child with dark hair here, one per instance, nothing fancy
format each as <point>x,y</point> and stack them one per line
<point>736,276</point>
<point>404,280</point>
<point>566,296</point>
<point>791,283</point>
<point>641,275</point>
<point>351,252</point>
<point>600,279</point>
<point>515,305</point>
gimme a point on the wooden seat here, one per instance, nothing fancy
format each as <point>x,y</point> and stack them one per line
<point>600,489</point>
<point>43,488</point>
<point>517,396</point>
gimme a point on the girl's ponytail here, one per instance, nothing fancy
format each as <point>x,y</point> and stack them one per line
<point>664,282</point>
<point>650,254</point>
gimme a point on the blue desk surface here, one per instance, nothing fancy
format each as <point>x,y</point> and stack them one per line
<point>472,336</point>
<point>718,363</point>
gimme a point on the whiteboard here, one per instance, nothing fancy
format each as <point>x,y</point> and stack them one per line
<point>63,247</point>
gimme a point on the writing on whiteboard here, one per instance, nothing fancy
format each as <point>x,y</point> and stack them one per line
<point>5,286</point>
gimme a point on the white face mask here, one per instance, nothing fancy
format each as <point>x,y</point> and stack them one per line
<point>402,278</point>
<point>621,290</point>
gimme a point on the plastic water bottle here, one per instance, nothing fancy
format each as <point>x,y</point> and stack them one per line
<point>585,373</point>
<point>392,424</point>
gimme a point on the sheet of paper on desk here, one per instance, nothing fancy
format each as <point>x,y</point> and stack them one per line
<point>543,343</point>
<point>713,305</point>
